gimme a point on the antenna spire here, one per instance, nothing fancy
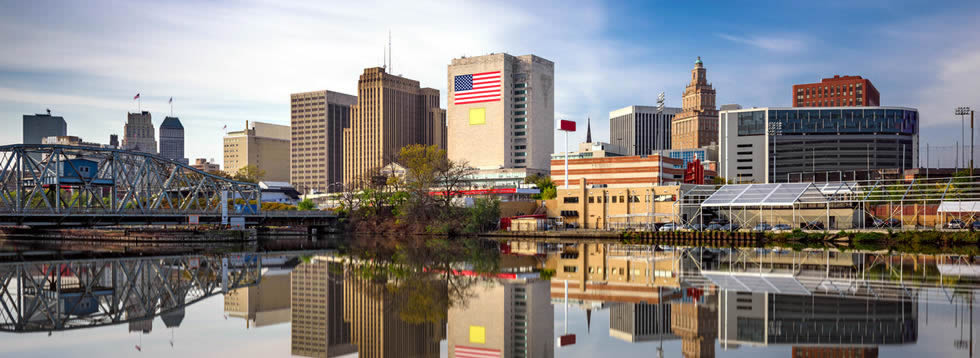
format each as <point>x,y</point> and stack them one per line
<point>389,49</point>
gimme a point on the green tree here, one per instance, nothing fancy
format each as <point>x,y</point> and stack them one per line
<point>544,183</point>
<point>306,204</point>
<point>249,174</point>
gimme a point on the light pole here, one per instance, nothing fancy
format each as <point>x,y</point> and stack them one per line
<point>963,112</point>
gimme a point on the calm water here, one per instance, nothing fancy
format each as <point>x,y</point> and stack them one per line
<point>487,299</point>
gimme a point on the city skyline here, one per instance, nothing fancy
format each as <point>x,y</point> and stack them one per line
<point>752,62</point>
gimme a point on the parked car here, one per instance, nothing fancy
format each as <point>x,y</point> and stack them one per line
<point>731,227</point>
<point>782,227</point>
<point>812,225</point>
<point>762,227</point>
<point>956,224</point>
<point>880,223</point>
<point>668,227</point>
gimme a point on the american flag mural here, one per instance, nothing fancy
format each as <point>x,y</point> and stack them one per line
<point>470,352</point>
<point>477,87</point>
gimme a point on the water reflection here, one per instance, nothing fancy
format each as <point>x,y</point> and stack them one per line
<point>489,299</point>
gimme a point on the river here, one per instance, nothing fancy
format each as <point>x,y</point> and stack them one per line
<point>481,298</point>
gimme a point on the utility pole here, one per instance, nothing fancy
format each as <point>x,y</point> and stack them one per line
<point>972,148</point>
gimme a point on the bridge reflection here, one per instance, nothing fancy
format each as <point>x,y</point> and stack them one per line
<point>47,296</point>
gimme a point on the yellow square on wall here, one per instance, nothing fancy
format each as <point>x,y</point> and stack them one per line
<point>478,116</point>
<point>478,334</point>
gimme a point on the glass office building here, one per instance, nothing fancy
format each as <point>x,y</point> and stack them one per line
<point>792,144</point>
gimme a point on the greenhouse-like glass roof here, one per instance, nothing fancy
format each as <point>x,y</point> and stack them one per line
<point>782,194</point>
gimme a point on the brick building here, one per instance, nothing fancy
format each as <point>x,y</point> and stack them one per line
<point>839,91</point>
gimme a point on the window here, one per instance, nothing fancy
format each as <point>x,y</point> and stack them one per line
<point>520,113</point>
<point>745,145</point>
<point>520,154</point>
<point>570,200</point>
<point>591,201</point>
<point>636,198</point>
<point>520,147</point>
<point>745,168</point>
<point>520,126</point>
<point>520,119</point>
<point>520,99</point>
<point>520,85</point>
<point>519,92</point>
<point>744,160</point>
<point>518,161</point>
<point>570,269</point>
<point>519,133</point>
<point>520,105</point>
<point>622,199</point>
<point>614,199</point>
<point>744,153</point>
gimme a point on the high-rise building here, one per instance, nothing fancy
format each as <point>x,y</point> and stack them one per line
<point>39,126</point>
<point>774,145</point>
<point>697,325</point>
<point>697,124</point>
<point>69,140</point>
<point>839,91</point>
<point>205,165</point>
<point>377,329</point>
<point>502,111</point>
<point>264,145</point>
<point>641,130</point>
<point>507,318</point>
<point>317,300</point>
<point>172,140</point>
<point>264,304</point>
<point>114,141</point>
<point>317,146</point>
<point>640,322</point>
<point>391,112</point>
<point>140,136</point>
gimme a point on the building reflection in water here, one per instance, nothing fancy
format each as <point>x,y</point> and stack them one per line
<point>507,317</point>
<point>268,302</point>
<point>317,297</point>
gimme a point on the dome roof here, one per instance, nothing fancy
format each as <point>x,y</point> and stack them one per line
<point>698,62</point>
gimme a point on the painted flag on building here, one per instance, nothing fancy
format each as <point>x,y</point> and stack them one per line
<point>477,87</point>
<point>136,97</point>
<point>470,352</point>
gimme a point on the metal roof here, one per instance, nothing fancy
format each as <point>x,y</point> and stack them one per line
<point>959,207</point>
<point>782,194</point>
<point>756,282</point>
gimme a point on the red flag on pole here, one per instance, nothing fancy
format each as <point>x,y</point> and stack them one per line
<point>136,97</point>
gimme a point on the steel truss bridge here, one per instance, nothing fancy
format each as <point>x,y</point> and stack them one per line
<point>85,186</point>
<point>47,296</point>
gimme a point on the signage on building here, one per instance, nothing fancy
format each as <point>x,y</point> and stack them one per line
<point>568,126</point>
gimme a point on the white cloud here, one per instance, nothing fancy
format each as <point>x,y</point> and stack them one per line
<point>775,43</point>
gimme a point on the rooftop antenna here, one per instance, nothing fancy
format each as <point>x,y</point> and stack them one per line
<point>389,48</point>
<point>384,58</point>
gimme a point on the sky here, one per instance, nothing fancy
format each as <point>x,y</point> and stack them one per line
<point>228,62</point>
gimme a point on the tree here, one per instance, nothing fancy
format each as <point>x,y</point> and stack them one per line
<point>306,204</point>
<point>249,174</point>
<point>544,183</point>
<point>428,168</point>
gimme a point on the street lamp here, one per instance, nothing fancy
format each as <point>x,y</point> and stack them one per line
<point>963,112</point>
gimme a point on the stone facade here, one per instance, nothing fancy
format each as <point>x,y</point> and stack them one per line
<point>140,136</point>
<point>516,131</point>
<point>697,124</point>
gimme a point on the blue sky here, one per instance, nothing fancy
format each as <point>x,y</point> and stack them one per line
<point>227,62</point>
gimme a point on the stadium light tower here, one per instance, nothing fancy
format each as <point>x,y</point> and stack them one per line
<point>963,112</point>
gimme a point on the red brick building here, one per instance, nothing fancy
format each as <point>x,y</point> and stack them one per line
<point>839,91</point>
